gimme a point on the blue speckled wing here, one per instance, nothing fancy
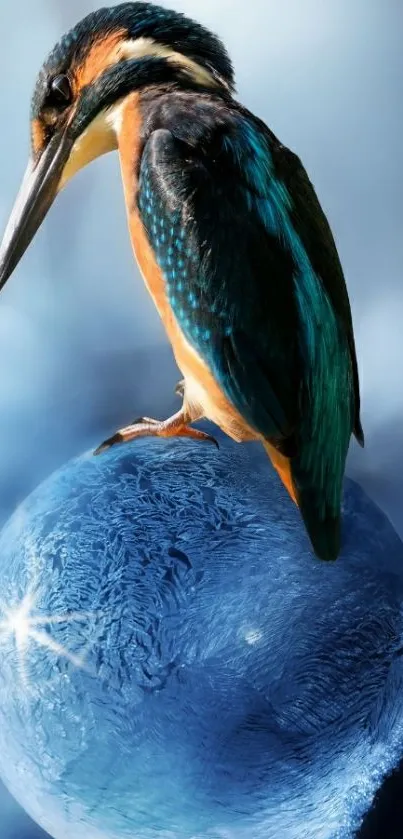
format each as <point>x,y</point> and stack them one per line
<point>239,279</point>
<point>218,261</point>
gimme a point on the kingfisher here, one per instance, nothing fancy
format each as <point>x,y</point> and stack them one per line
<point>229,236</point>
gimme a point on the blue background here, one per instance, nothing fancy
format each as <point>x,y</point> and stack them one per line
<point>81,347</point>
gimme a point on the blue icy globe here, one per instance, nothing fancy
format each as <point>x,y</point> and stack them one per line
<point>175,663</point>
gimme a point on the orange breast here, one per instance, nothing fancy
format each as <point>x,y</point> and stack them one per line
<point>129,151</point>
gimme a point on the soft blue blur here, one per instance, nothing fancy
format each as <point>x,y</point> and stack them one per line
<point>81,346</point>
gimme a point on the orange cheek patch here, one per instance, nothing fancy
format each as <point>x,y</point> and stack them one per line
<point>38,136</point>
<point>102,54</point>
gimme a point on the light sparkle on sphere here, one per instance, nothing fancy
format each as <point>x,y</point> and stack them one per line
<point>175,664</point>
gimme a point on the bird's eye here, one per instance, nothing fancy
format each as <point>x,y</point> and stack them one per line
<point>60,92</point>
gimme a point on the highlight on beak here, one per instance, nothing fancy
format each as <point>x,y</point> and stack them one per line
<point>38,191</point>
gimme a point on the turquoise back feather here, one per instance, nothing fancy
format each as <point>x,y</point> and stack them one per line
<point>327,406</point>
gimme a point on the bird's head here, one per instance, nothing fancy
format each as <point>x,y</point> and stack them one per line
<point>82,87</point>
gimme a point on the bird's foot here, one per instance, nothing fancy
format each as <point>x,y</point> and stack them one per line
<point>176,426</point>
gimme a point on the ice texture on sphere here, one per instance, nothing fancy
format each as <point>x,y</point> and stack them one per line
<point>175,663</point>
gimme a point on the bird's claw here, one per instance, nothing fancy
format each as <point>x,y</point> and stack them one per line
<point>210,439</point>
<point>107,444</point>
<point>146,427</point>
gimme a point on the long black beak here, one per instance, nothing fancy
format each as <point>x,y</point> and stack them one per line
<point>38,191</point>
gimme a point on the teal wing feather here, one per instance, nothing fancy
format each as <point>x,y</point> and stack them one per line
<point>255,284</point>
<point>309,219</point>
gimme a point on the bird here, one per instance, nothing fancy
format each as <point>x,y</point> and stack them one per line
<point>229,236</point>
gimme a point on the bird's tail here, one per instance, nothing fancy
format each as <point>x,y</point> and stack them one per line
<point>322,521</point>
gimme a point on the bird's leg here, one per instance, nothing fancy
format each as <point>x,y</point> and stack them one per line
<point>175,426</point>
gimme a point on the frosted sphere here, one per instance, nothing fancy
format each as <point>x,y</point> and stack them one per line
<point>175,663</point>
